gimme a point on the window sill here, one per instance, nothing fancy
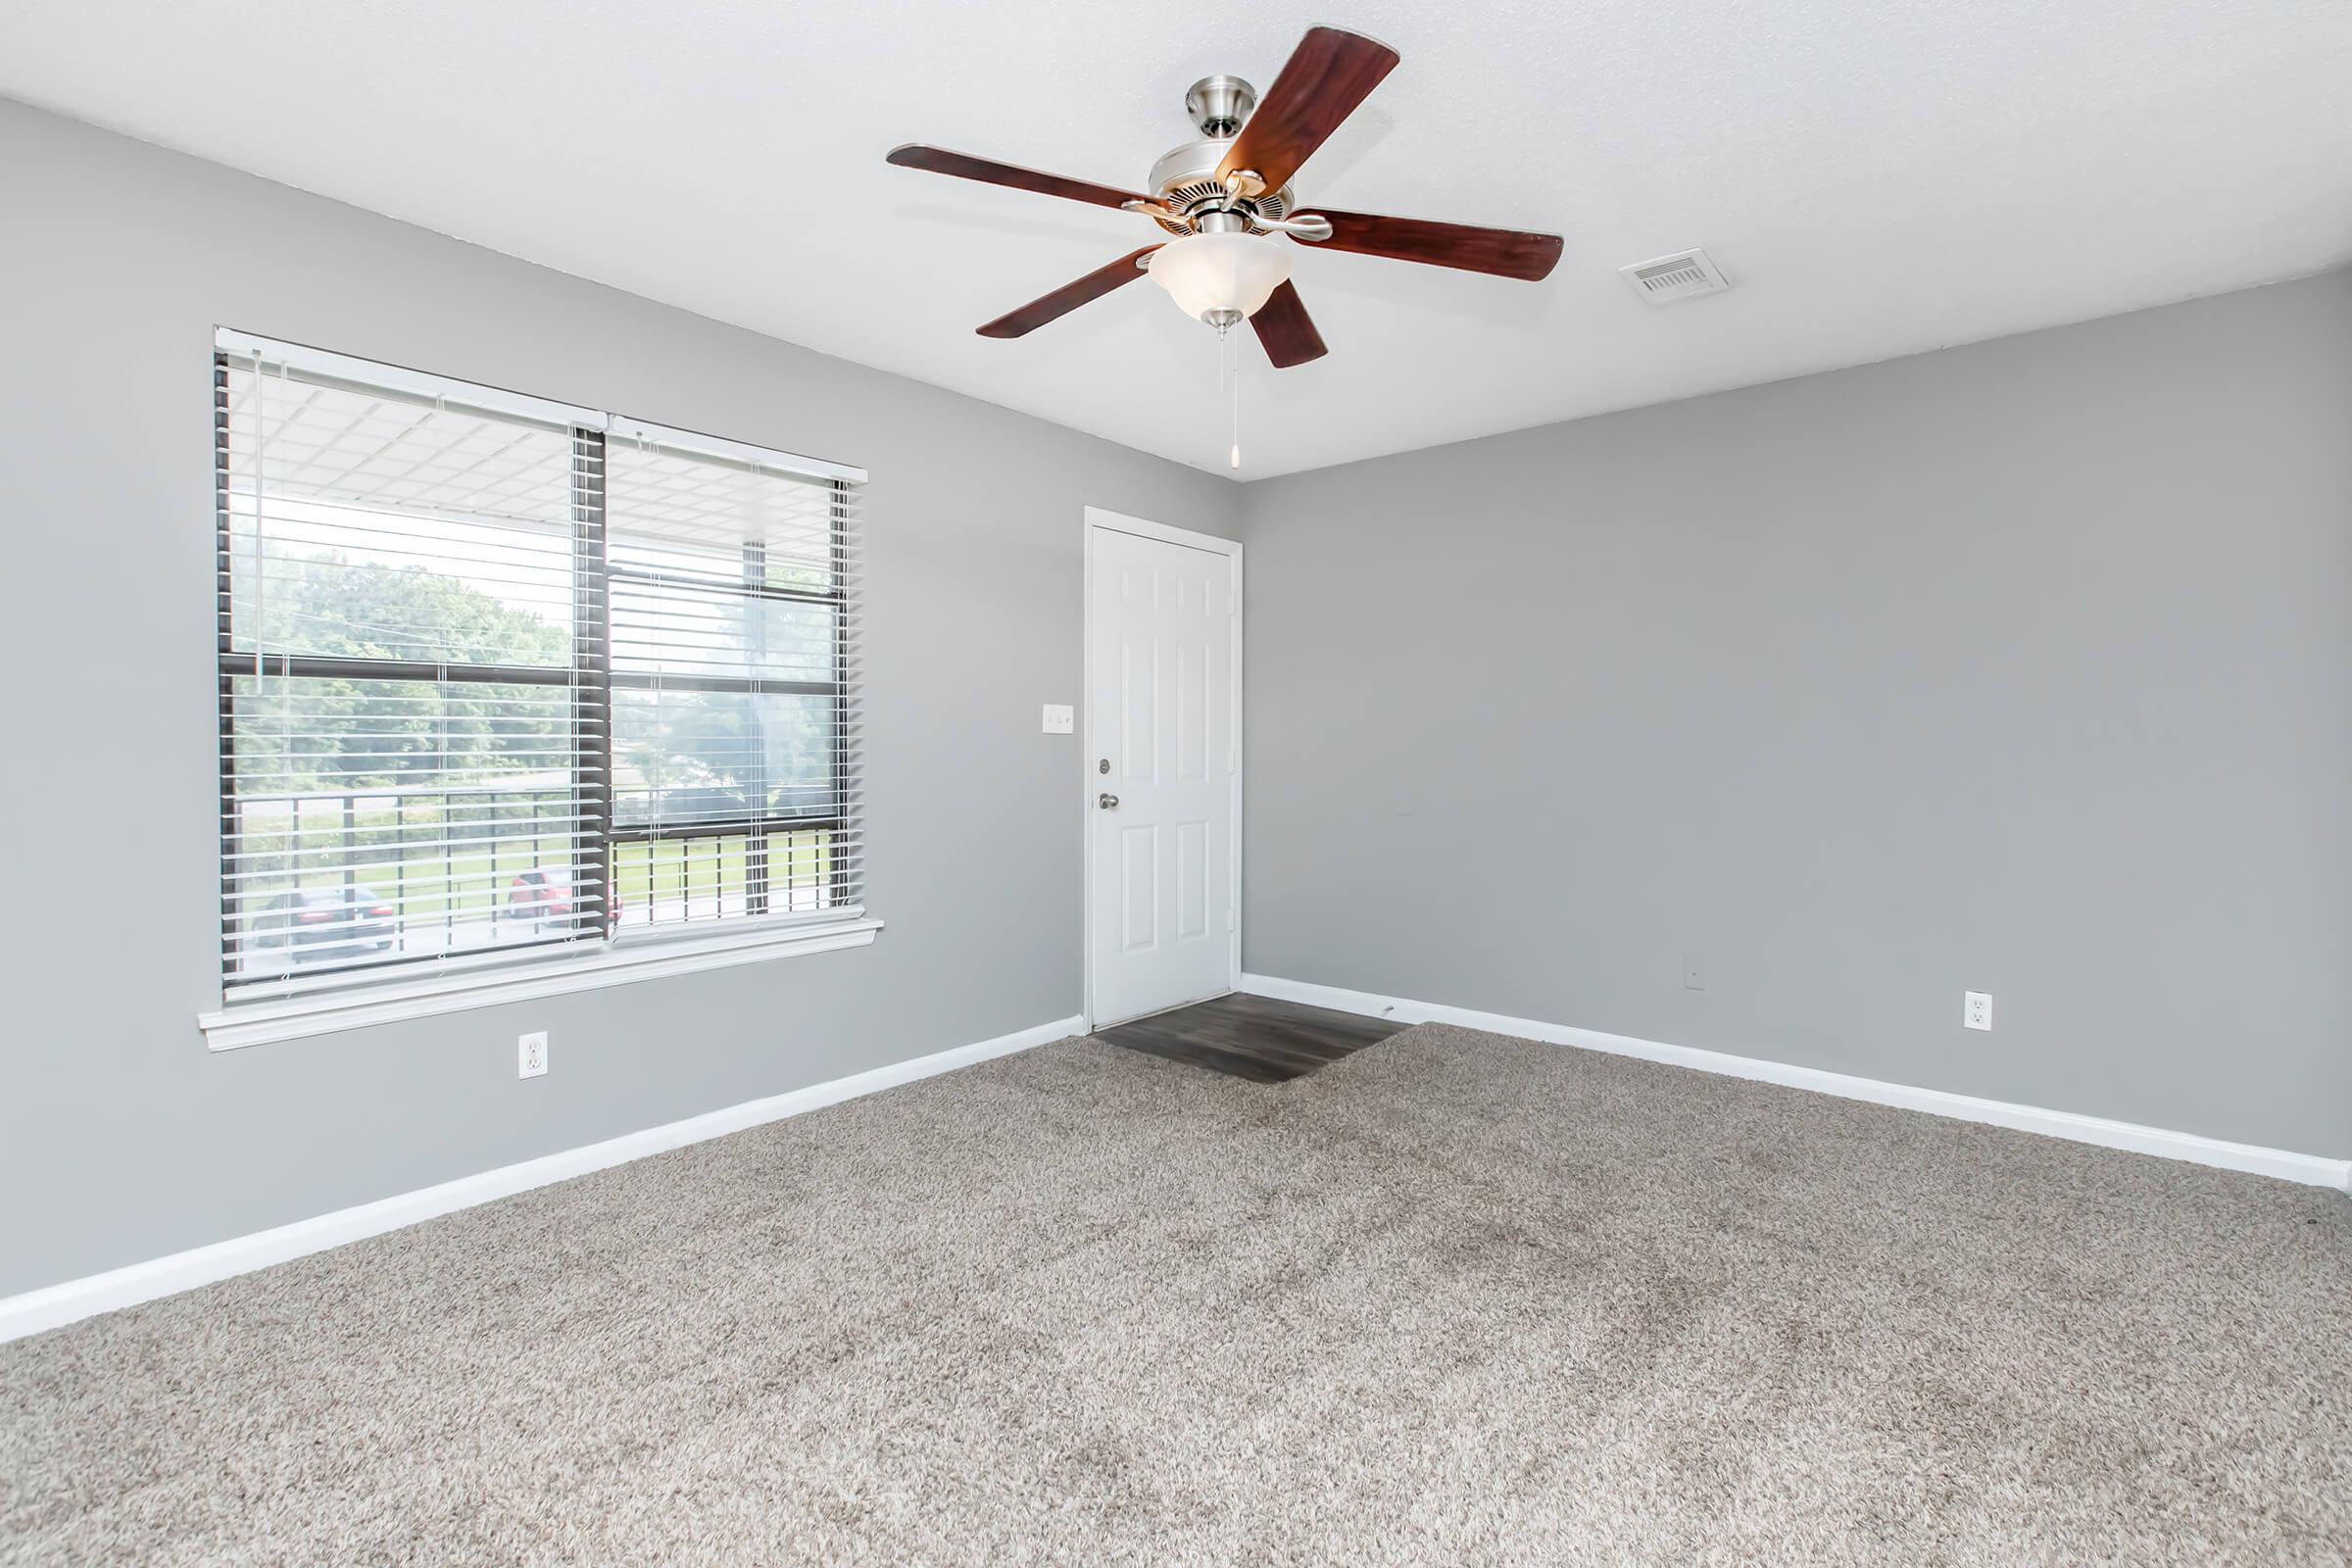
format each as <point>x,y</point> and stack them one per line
<point>255,1023</point>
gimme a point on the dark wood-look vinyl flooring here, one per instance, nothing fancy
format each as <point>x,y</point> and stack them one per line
<point>1251,1036</point>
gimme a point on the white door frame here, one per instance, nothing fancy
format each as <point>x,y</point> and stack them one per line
<point>1098,520</point>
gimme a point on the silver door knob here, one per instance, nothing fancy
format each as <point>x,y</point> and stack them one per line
<point>1106,802</point>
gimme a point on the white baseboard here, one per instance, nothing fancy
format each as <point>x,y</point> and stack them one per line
<point>57,1304</point>
<point>2309,1169</point>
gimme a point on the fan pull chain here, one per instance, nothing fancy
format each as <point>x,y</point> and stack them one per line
<point>1234,358</point>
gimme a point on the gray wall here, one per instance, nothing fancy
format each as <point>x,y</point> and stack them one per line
<point>120,1137</point>
<point>2023,667</point>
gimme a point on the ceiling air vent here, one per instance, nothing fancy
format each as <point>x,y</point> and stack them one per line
<point>1678,277</point>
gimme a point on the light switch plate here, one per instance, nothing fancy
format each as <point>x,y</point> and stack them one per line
<point>1060,719</point>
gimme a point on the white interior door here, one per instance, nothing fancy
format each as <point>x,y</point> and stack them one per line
<point>1163,783</point>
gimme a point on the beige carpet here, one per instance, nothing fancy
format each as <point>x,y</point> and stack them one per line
<point>1455,1299</point>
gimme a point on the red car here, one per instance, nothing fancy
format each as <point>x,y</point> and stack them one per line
<point>544,898</point>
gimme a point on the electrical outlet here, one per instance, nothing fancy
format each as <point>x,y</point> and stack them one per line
<point>1060,719</point>
<point>1976,1010</point>
<point>1695,976</point>
<point>530,1054</point>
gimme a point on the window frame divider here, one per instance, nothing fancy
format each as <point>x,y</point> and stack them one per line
<point>592,693</point>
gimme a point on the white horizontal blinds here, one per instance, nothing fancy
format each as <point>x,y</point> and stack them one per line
<point>412,702</point>
<point>733,593</point>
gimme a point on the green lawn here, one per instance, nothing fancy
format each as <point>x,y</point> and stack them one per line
<point>662,873</point>
<point>441,881</point>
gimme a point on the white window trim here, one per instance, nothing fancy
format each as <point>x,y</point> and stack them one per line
<point>617,962</point>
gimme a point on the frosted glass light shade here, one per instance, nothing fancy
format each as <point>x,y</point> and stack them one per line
<point>1205,273</point>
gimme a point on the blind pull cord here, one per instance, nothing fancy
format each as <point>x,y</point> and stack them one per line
<point>261,579</point>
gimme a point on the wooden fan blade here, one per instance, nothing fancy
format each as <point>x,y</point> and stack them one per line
<point>1504,252</point>
<point>1067,298</point>
<point>1327,75</point>
<point>1287,331</point>
<point>963,166</point>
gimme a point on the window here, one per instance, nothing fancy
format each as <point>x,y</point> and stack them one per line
<point>728,594</point>
<point>506,682</point>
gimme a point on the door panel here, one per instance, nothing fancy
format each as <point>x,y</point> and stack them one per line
<point>1159,686</point>
<point>1139,888</point>
<point>1192,713</point>
<point>1192,879</point>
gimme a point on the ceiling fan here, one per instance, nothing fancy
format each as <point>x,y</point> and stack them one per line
<point>1228,197</point>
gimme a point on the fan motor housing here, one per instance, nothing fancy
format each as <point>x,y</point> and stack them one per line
<point>1185,178</point>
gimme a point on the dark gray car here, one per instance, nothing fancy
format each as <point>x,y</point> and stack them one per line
<point>330,924</point>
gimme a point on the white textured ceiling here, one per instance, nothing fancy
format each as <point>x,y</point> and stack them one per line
<point>1877,176</point>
